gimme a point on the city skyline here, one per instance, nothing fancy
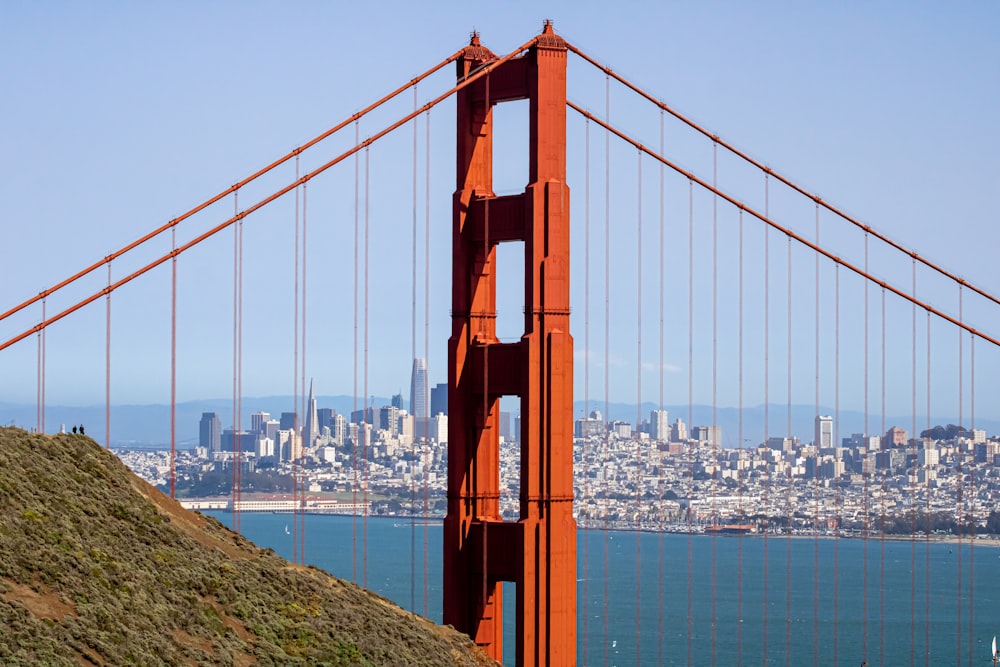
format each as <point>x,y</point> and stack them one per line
<point>844,135</point>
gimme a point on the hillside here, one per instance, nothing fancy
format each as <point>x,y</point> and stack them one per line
<point>99,568</point>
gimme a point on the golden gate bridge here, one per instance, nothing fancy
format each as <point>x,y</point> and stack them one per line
<point>761,286</point>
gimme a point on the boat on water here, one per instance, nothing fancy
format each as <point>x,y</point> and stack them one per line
<point>730,529</point>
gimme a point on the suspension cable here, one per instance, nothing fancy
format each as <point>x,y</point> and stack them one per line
<point>267,200</point>
<point>862,272</point>
<point>784,180</point>
<point>257,174</point>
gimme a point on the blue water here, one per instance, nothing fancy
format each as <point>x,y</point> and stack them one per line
<point>902,621</point>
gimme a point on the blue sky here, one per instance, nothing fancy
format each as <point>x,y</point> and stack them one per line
<point>119,116</point>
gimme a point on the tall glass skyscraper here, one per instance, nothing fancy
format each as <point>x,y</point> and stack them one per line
<point>418,396</point>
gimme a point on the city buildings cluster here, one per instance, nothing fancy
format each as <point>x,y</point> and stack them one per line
<point>656,475</point>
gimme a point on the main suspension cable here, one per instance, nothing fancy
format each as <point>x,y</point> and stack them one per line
<point>260,204</point>
<point>235,187</point>
<point>784,180</point>
<point>862,272</point>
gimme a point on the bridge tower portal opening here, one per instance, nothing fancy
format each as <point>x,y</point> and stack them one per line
<point>538,551</point>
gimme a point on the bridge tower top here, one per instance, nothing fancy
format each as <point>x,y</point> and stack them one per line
<point>481,550</point>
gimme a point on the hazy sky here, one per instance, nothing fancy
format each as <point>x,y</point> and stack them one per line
<point>120,116</point>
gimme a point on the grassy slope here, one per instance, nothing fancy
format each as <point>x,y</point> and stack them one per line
<point>97,567</point>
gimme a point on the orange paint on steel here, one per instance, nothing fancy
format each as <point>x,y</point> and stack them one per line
<point>232,189</point>
<point>223,225</point>
<point>537,552</point>
<point>802,191</point>
<point>790,234</point>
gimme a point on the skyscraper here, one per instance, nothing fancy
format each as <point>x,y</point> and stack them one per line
<point>439,399</point>
<point>311,431</point>
<point>418,396</point>
<point>210,431</point>
<point>659,425</point>
<point>824,432</point>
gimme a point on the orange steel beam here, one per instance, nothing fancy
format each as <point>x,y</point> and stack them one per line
<point>802,191</point>
<point>228,191</point>
<point>472,78</point>
<point>481,550</point>
<point>788,232</point>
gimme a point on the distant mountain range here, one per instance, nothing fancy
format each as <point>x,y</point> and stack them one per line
<point>148,426</point>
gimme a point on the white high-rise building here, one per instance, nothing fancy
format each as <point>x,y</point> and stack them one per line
<point>824,432</point>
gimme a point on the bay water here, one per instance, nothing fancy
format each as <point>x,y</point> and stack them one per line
<point>648,598</point>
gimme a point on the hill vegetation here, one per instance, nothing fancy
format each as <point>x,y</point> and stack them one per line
<point>99,568</point>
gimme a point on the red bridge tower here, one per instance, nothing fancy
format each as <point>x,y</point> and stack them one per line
<point>537,552</point>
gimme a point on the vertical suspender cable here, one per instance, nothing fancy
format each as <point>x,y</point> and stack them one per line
<point>839,503</point>
<point>299,434</point>
<point>865,472</point>
<point>299,410</point>
<point>107,364</point>
<point>638,400</point>
<point>237,439</point>
<point>173,362</point>
<point>958,490</point>
<point>427,320</point>
<point>586,386</point>
<point>788,478</point>
<point>913,486</point>
<point>972,482</point>
<point>236,352</point>
<point>818,446</point>
<point>413,355</point>
<point>659,582</point>
<point>927,514</point>
<point>690,447</point>
<point>354,415</point>
<point>742,445</point>
<point>607,330</point>
<point>40,399</point>
<point>302,481</point>
<point>884,471</point>
<point>367,407</point>
<point>715,365</point>
<point>767,406</point>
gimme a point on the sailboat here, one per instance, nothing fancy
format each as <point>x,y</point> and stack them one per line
<point>994,650</point>
<point>286,530</point>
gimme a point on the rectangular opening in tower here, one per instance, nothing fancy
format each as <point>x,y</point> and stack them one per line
<point>510,458</point>
<point>510,291</point>
<point>510,147</point>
